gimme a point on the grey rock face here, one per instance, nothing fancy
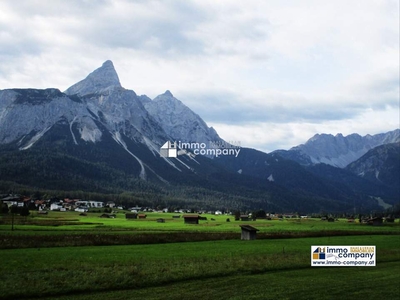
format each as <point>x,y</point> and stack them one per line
<point>178,121</point>
<point>338,150</point>
<point>99,79</point>
<point>99,98</point>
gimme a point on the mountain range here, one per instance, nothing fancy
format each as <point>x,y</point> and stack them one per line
<point>98,137</point>
<point>338,150</point>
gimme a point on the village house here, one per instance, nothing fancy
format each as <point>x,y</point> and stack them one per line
<point>110,204</point>
<point>90,203</point>
<point>81,209</point>
<point>135,209</point>
<point>56,206</point>
<point>13,200</point>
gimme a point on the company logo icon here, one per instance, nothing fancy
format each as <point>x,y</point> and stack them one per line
<point>169,150</point>
<point>319,253</point>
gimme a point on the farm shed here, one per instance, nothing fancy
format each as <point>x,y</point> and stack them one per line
<point>248,232</point>
<point>375,221</point>
<point>191,219</point>
<point>131,216</point>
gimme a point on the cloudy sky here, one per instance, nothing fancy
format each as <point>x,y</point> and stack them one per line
<point>267,73</point>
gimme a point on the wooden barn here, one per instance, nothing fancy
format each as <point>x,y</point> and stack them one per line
<point>248,232</point>
<point>131,216</point>
<point>191,219</point>
<point>377,221</point>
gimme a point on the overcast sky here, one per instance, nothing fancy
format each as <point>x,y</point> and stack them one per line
<point>267,73</point>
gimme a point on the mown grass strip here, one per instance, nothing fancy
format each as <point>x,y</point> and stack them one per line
<point>380,282</point>
<point>74,270</point>
<point>39,240</point>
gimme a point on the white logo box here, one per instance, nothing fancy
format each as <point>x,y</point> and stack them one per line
<point>343,256</point>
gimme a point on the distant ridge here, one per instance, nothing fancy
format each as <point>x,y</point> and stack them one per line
<point>338,150</point>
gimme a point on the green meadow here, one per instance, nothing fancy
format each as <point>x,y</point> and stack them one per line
<point>73,222</point>
<point>66,256</point>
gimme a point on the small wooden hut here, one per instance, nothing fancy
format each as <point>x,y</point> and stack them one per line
<point>131,216</point>
<point>248,232</point>
<point>377,221</point>
<point>191,219</point>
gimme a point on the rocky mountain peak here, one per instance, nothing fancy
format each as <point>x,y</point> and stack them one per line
<point>168,93</point>
<point>178,120</point>
<point>99,79</point>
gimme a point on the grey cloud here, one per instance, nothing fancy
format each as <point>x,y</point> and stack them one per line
<point>136,32</point>
<point>29,8</point>
<point>229,109</point>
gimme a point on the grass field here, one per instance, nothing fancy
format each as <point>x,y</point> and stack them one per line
<point>270,267</point>
<point>72,221</point>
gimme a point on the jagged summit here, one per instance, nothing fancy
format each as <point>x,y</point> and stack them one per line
<point>178,120</point>
<point>101,78</point>
<point>168,93</point>
<point>167,96</point>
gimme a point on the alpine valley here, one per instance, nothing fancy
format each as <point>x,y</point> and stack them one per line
<point>100,140</point>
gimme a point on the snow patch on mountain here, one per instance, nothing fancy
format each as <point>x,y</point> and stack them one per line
<point>183,163</point>
<point>34,139</point>
<point>155,149</point>
<point>70,129</point>
<point>90,134</point>
<point>167,160</point>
